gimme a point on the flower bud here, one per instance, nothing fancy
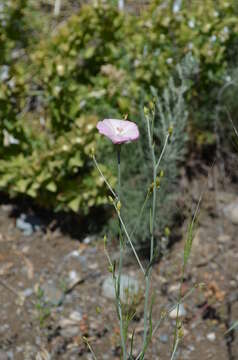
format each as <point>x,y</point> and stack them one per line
<point>180,331</point>
<point>161,174</point>
<point>118,206</point>
<point>146,111</point>
<point>167,232</point>
<point>105,240</point>
<point>170,130</point>
<point>110,268</point>
<point>92,152</point>
<point>157,182</point>
<point>110,199</point>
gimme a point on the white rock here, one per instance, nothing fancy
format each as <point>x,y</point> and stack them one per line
<point>211,336</point>
<point>174,288</point>
<point>74,279</point>
<point>76,316</point>
<point>181,312</point>
<point>129,287</point>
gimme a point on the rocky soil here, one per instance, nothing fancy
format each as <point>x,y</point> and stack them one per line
<point>54,290</point>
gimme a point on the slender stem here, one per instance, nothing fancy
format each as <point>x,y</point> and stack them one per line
<point>118,213</point>
<point>148,275</point>
<point>105,180</point>
<point>129,240</point>
<point>175,349</point>
<point>141,212</point>
<point>152,222</point>
<point>182,276</point>
<point>90,348</point>
<point>118,287</point>
<point>162,153</point>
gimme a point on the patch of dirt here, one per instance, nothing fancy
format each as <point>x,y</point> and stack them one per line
<point>33,329</point>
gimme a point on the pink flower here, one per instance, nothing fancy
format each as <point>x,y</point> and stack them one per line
<point>118,131</point>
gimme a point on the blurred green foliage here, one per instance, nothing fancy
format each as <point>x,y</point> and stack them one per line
<point>57,80</point>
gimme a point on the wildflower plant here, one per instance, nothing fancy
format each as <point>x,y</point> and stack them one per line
<point>170,110</point>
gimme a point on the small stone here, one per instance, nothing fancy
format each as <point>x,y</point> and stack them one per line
<point>233,284</point>
<point>75,316</point>
<point>89,239</point>
<point>52,294</point>
<point>70,331</point>
<point>224,239</point>
<point>181,312</point>
<point>191,348</point>
<point>27,292</point>
<point>231,212</point>
<point>24,226</point>
<point>164,338</point>
<point>129,287</point>
<point>74,253</point>
<point>73,280</point>
<point>173,288</point>
<point>211,336</point>
<point>74,320</point>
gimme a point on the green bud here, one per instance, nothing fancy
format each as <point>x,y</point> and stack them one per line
<point>201,286</point>
<point>110,199</point>
<point>151,187</point>
<point>157,182</point>
<point>105,240</point>
<point>161,174</point>
<point>167,231</point>
<point>118,206</point>
<point>92,152</point>
<point>180,333</point>
<point>151,105</point>
<point>170,130</point>
<point>146,111</point>
<point>98,310</point>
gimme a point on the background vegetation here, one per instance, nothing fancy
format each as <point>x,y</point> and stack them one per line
<point>59,76</point>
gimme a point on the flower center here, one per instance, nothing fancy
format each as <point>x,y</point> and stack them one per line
<point>119,130</point>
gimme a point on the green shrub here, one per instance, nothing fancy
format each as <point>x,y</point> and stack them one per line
<point>206,29</point>
<point>79,67</point>
<point>100,63</point>
<point>57,173</point>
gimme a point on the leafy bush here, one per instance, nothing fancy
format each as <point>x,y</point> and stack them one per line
<point>100,63</point>
<point>41,157</point>
<point>79,67</point>
<point>57,172</point>
<point>208,30</point>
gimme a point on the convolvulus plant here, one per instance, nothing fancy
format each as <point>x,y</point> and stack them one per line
<point>120,132</point>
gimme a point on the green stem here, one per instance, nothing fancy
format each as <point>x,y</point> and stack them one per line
<point>103,177</point>
<point>140,215</point>
<point>123,344</point>
<point>129,239</point>
<point>152,221</point>
<point>148,275</point>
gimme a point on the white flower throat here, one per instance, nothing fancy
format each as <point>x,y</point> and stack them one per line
<point>119,130</point>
